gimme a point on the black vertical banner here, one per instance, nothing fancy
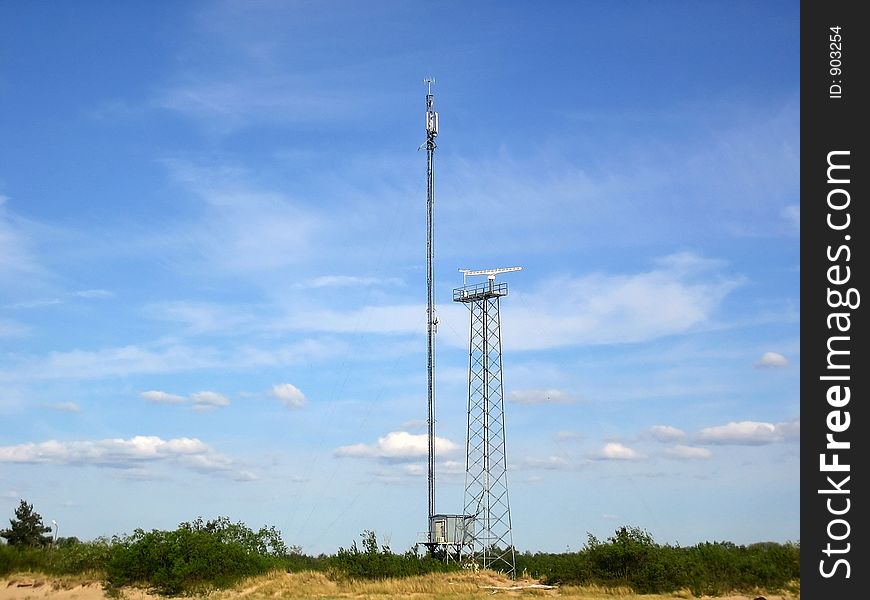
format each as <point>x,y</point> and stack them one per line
<point>834,370</point>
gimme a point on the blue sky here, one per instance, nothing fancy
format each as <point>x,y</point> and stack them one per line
<point>212,263</point>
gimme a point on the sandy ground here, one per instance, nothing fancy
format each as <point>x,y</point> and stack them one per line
<point>33,587</point>
<point>21,587</point>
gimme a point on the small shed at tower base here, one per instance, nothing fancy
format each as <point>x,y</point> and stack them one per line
<point>450,532</point>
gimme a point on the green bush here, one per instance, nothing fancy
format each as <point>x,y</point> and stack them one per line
<point>373,562</point>
<point>631,558</point>
<point>194,557</point>
<point>202,555</point>
<point>74,557</point>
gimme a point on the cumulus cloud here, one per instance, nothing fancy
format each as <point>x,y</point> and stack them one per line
<point>749,433</point>
<point>289,395</point>
<point>550,396</point>
<point>790,430</point>
<point>616,451</point>
<point>771,360</point>
<point>397,446</point>
<point>204,401</point>
<point>666,433</point>
<point>158,397</point>
<point>688,452</point>
<point>133,453</point>
<point>198,401</point>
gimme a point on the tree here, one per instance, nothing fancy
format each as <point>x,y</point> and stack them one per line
<point>26,529</point>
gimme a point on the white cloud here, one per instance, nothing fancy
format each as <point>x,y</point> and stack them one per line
<point>549,463</point>
<point>549,396</point>
<point>199,317</point>
<point>118,361</point>
<point>159,397</point>
<point>11,328</point>
<point>133,453</point>
<point>203,401</point>
<point>243,229</point>
<point>415,469</point>
<point>198,401</point>
<point>771,360</point>
<point>688,452</point>
<point>395,319</point>
<point>395,471</point>
<point>567,435</point>
<point>451,467</point>
<point>790,430</point>
<point>16,248</point>
<point>616,451</point>
<point>35,303</point>
<point>127,360</point>
<point>749,433</point>
<point>681,294</point>
<point>96,294</point>
<point>397,445</point>
<point>225,105</point>
<point>55,301</point>
<point>71,407</point>
<point>666,433</point>
<point>348,281</point>
<point>290,395</point>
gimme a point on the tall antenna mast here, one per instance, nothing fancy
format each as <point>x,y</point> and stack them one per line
<point>431,319</point>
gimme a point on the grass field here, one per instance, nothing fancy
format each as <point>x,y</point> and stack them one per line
<point>311,584</point>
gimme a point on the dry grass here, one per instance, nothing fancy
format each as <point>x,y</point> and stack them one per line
<point>435,586</point>
<point>317,585</point>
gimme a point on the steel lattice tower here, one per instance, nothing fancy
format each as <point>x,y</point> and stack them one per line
<point>486,487</point>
